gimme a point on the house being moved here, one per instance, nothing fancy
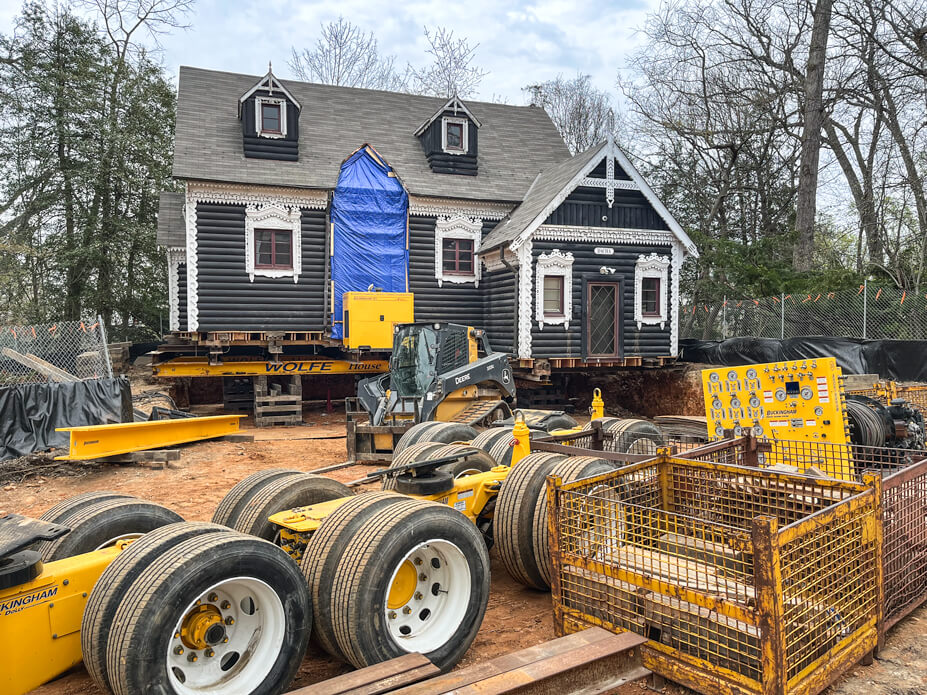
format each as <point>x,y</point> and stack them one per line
<point>295,193</point>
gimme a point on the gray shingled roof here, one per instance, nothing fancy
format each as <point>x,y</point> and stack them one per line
<point>515,142</point>
<point>171,226</point>
<point>548,184</point>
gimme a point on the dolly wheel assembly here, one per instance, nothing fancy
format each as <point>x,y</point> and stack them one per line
<point>219,613</point>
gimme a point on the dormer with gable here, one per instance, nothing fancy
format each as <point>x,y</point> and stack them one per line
<point>269,117</point>
<point>449,139</point>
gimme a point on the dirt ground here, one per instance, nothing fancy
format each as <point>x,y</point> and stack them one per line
<point>516,617</point>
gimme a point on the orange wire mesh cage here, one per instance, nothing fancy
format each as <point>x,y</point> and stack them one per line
<point>744,580</point>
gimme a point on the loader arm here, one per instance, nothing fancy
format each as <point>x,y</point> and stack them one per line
<point>493,370</point>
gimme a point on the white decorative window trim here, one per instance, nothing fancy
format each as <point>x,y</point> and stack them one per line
<point>175,256</point>
<point>424,206</point>
<point>614,235</point>
<point>457,227</point>
<point>652,266</point>
<point>273,217</point>
<point>189,211</point>
<point>524,300</point>
<point>259,116</point>
<point>558,264</point>
<point>237,194</point>
<point>465,135</point>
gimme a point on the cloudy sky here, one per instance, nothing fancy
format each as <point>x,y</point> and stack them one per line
<point>519,42</point>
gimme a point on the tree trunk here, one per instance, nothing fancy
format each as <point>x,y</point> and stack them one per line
<point>806,202</point>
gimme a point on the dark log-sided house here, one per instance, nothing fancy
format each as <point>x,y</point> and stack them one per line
<point>571,260</point>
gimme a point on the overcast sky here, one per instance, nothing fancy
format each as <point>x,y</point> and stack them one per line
<point>519,42</point>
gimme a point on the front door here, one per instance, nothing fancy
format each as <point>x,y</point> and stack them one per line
<point>602,319</point>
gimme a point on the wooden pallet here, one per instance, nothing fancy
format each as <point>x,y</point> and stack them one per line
<point>273,407</point>
<point>588,662</point>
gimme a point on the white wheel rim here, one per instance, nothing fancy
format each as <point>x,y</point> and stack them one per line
<point>241,659</point>
<point>438,606</point>
<point>469,471</point>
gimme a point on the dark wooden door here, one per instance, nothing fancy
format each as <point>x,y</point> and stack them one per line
<point>602,319</point>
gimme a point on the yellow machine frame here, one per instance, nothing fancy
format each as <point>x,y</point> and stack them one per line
<point>198,366</point>
<point>41,619</point>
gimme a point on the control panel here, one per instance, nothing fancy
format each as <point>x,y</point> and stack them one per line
<point>796,400</point>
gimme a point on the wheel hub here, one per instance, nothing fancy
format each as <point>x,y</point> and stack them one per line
<point>403,587</point>
<point>202,627</point>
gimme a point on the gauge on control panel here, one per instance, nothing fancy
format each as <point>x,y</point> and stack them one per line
<point>738,431</point>
<point>719,430</point>
<point>716,404</point>
<point>780,394</point>
<point>819,411</point>
<point>807,393</point>
<point>732,375</point>
<point>754,402</point>
<point>751,373</point>
<point>757,431</point>
<point>735,402</point>
<point>714,377</point>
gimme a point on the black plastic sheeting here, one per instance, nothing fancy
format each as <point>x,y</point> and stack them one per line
<point>29,413</point>
<point>899,360</point>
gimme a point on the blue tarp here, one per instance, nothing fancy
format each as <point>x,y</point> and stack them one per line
<point>370,218</point>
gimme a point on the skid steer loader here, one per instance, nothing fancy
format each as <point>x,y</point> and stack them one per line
<point>442,372</point>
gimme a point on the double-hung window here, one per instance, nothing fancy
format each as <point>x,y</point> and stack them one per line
<point>273,249</point>
<point>457,256</point>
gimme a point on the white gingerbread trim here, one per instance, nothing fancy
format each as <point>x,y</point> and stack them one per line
<point>607,235</point>
<point>175,256</point>
<point>237,194</point>
<point>678,257</point>
<point>554,263</point>
<point>457,227</point>
<point>524,300</point>
<point>259,117</point>
<point>610,183</point>
<point>273,217</point>
<point>270,83</point>
<point>652,266</point>
<point>426,207</point>
<point>453,104</point>
<point>189,212</point>
<point>465,135</point>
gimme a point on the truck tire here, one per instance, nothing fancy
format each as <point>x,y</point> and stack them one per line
<point>633,436</point>
<point>415,578</point>
<point>497,442</point>
<point>280,494</point>
<point>325,551</point>
<point>66,506</point>
<point>413,435</point>
<point>425,484</point>
<point>216,614</point>
<point>112,585</point>
<point>411,454</point>
<point>101,524</point>
<point>244,490</point>
<point>517,513</point>
<point>606,422</point>
<point>477,460</point>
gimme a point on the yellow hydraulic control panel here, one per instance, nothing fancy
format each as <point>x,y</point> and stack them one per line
<point>798,400</point>
<point>369,318</point>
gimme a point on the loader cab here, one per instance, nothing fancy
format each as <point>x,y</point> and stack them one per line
<point>422,351</point>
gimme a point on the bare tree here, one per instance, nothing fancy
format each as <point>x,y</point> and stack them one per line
<point>345,55</point>
<point>812,122</point>
<point>451,71</point>
<point>583,114</point>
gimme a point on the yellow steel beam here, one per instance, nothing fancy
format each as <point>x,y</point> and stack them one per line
<point>99,441</point>
<point>182,366</point>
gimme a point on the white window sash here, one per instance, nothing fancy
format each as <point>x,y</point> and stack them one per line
<point>258,117</point>
<point>652,266</point>
<point>559,264</point>
<point>273,217</point>
<point>465,137</point>
<point>457,227</point>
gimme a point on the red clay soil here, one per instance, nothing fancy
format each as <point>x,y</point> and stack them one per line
<point>516,617</point>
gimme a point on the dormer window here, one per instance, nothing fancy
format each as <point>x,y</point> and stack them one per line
<point>454,135</point>
<point>270,117</point>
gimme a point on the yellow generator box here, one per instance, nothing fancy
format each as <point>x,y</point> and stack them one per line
<point>802,400</point>
<point>369,318</point>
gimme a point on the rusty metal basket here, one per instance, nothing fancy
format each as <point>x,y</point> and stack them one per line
<point>904,503</point>
<point>744,580</point>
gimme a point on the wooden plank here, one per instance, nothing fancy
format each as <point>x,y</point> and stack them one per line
<point>39,365</point>
<point>379,678</point>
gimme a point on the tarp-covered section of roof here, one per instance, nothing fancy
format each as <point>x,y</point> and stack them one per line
<point>370,216</point>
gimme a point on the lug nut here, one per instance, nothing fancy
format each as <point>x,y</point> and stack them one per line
<point>392,615</point>
<point>225,640</point>
<point>191,657</point>
<point>406,610</point>
<point>225,605</point>
<point>177,634</point>
<point>418,595</point>
<point>178,650</point>
<point>423,577</point>
<point>230,620</point>
<point>418,561</point>
<point>213,597</point>
<point>209,652</point>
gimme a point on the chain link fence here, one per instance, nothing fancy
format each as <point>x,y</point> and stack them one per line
<point>869,312</point>
<point>62,351</point>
